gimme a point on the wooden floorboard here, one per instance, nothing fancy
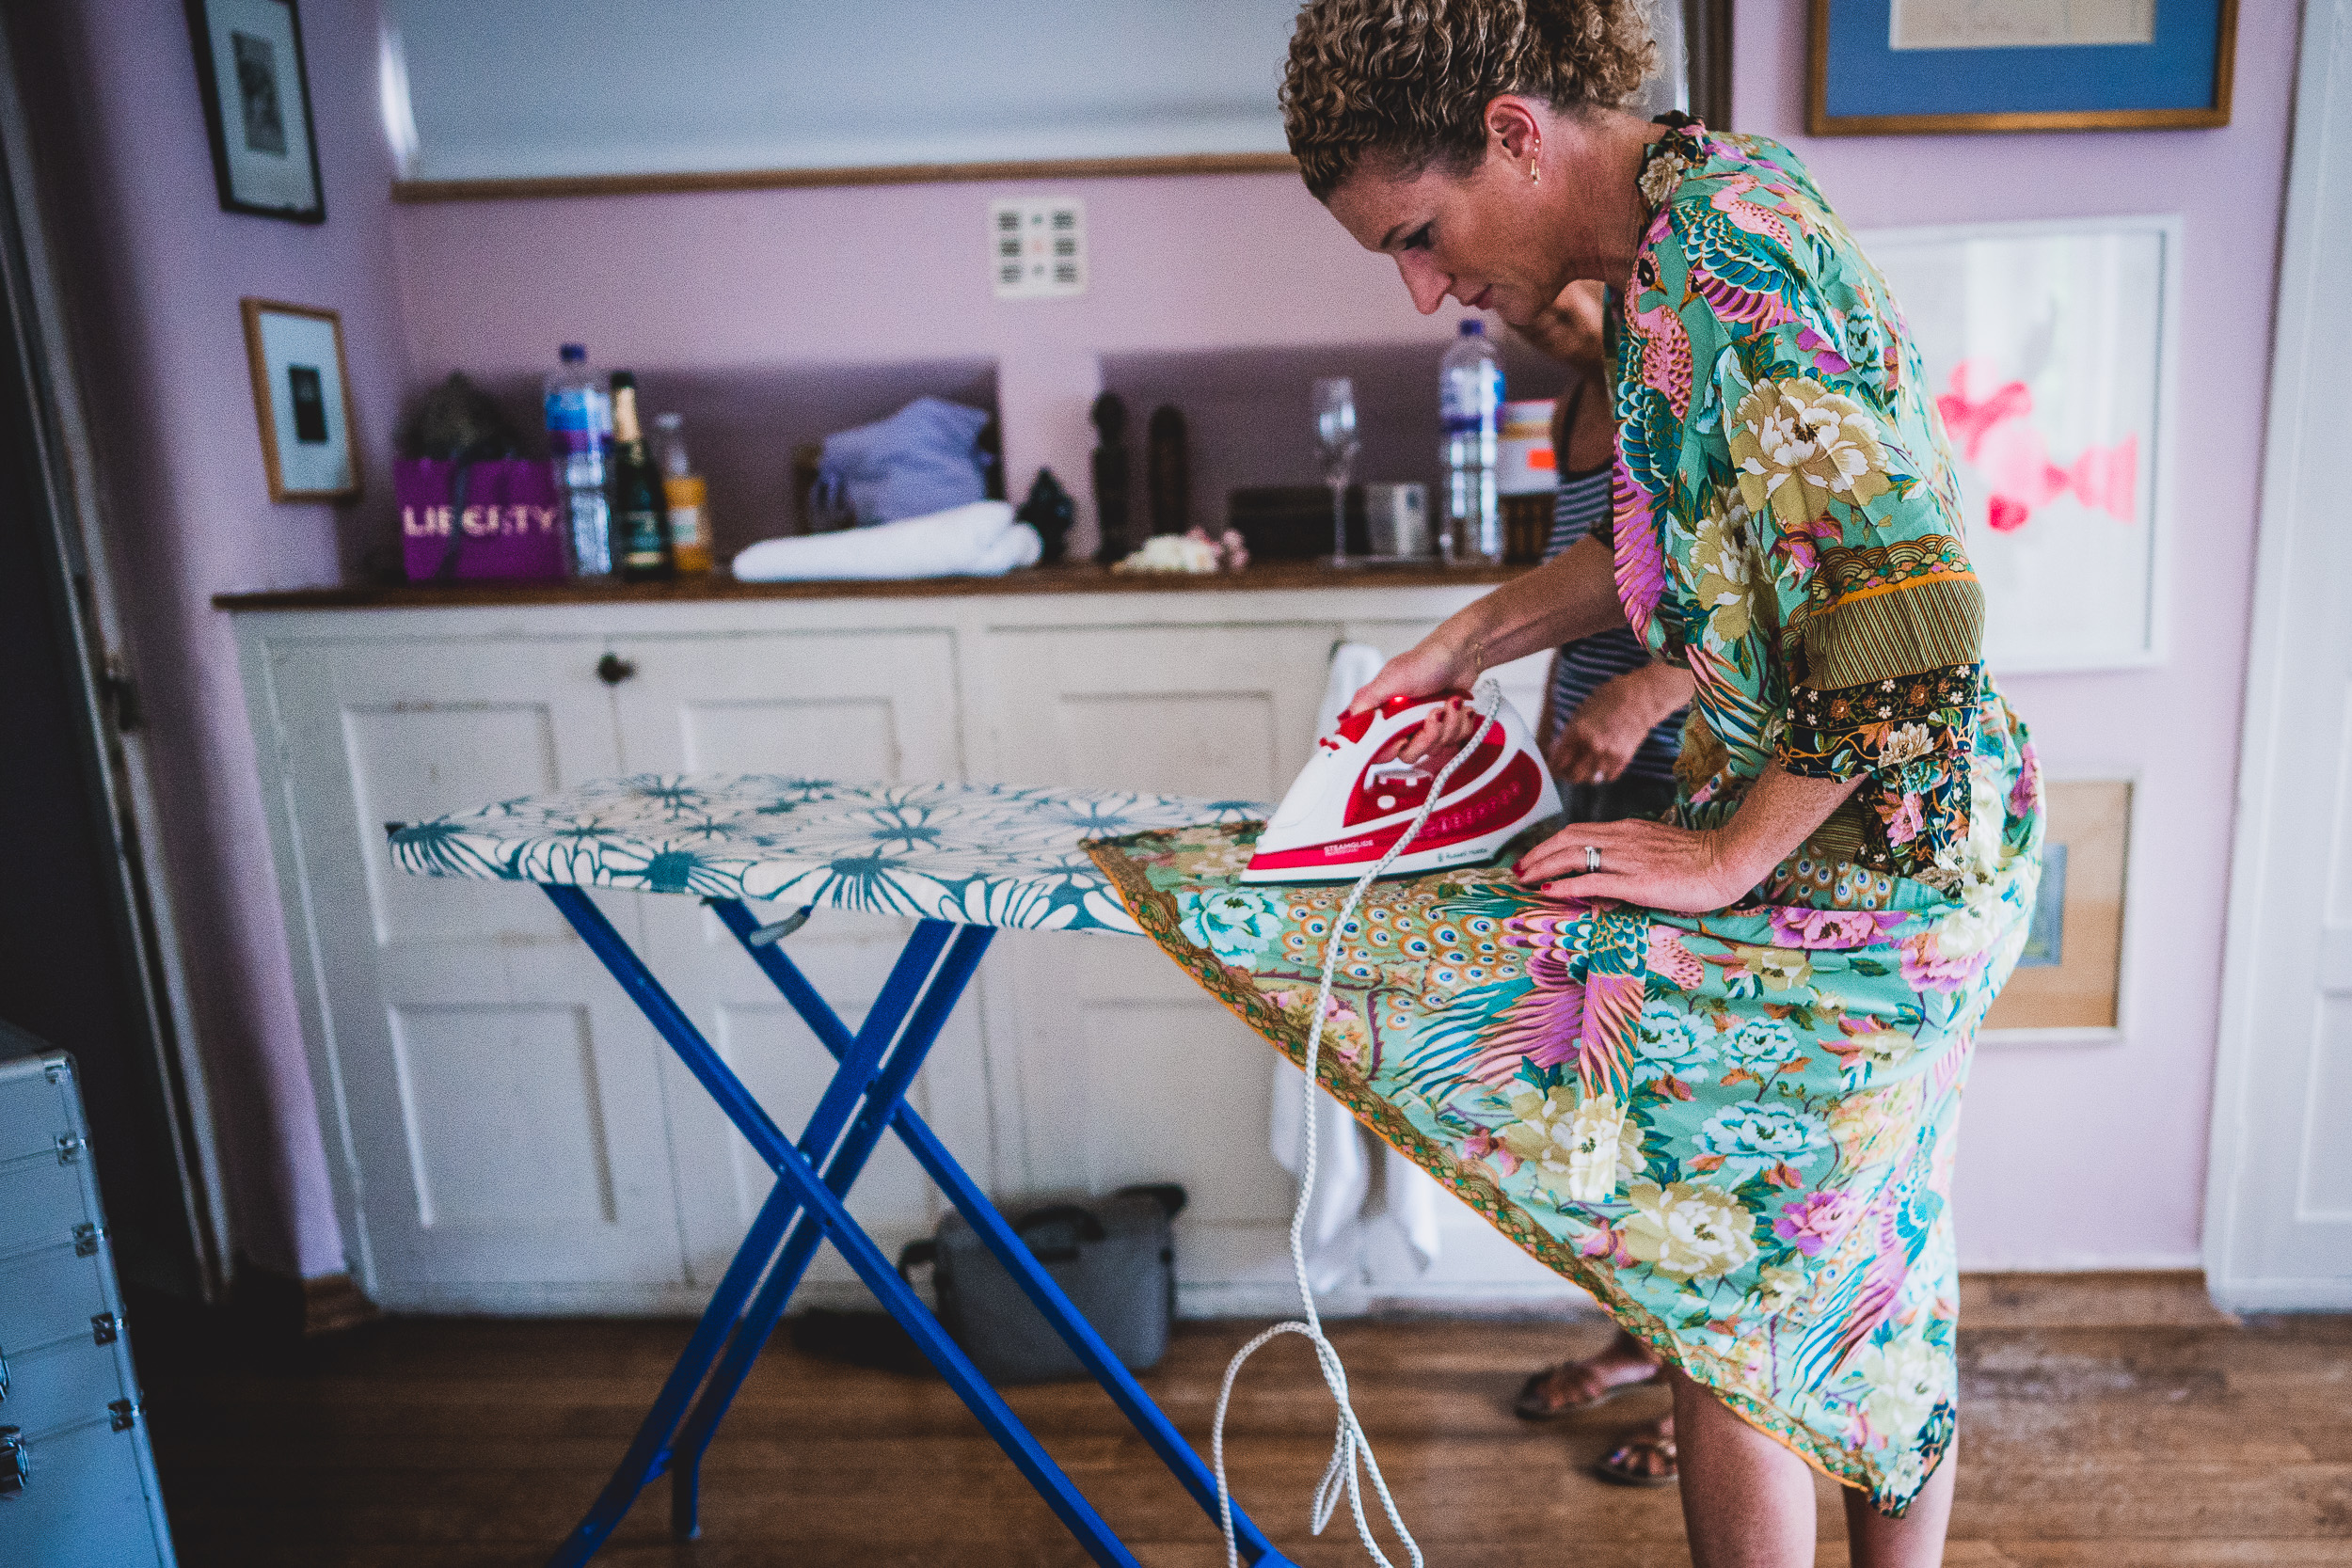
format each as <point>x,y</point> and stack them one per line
<point>2107,1420</point>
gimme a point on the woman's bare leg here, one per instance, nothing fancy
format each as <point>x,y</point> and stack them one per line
<point>1747,1502</point>
<point>1916,1539</point>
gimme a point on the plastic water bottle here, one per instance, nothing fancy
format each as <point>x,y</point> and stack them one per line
<point>1470,400</point>
<point>579,438</point>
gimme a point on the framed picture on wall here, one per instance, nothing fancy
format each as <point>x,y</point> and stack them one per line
<point>1892,67</point>
<point>2068,987</point>
<point>302,397</point>
<point>256,107</point>
<point>2048,349</point>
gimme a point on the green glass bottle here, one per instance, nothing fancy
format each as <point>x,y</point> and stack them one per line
<point>641,521</point>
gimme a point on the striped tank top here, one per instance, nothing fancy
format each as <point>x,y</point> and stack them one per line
<point>1581,666</point>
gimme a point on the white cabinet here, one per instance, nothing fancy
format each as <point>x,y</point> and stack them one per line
<point>842,705</point>
<point>507,1134</point>
<point>494,1098</point>
<point>1127,1070</point>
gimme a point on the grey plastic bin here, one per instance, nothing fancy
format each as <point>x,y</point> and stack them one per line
<point>1114,1256</point>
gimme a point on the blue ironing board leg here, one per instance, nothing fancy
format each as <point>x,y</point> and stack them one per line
<point>650,1452</point>
<point>1140,1410</point>
<point>864,1258</point>
<point>889,1085</point>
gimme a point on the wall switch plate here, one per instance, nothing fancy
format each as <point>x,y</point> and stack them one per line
<point>1038,248</point>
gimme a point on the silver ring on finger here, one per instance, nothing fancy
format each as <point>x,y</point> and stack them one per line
<point>1592,859</point>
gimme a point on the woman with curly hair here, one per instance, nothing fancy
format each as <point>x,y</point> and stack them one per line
<point>1720,1088</point>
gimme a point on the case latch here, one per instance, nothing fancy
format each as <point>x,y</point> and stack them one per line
<point>16,1466</point>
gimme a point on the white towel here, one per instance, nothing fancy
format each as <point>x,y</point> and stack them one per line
<point>979,539</point>
<point>1351,1208</point>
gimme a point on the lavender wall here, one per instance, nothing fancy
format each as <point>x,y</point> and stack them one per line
<point>742,283</point>
<point>154,270</point>
<point>2098,1155</point>
<point>2077,1157</point>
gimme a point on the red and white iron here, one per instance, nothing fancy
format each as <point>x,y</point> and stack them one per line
<point>1347,808</point>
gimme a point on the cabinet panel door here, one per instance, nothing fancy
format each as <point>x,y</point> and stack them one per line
<point>855,706</point>
<point>1127,1070</point>
<point>500,1106</point>
<point>500,1114</point>
<point>1226,712</point>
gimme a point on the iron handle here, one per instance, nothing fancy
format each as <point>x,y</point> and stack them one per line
<point>613,669</point>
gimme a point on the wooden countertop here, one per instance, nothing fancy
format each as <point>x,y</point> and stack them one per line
<point>1033,579</point>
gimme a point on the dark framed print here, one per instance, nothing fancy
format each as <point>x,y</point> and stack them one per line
<point>302,397</point>
<point>1896,66</point>
<point>256,107</point>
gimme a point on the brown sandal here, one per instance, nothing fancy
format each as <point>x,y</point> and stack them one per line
<point>1529,1405</point>
<point>1645,1459</point>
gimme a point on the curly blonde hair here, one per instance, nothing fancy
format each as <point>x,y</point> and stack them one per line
<point>1407,82</point>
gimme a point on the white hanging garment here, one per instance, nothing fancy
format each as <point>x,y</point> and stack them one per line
<point>1349,1203</point>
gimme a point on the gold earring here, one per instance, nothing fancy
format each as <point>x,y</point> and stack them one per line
<point>1534,171</point>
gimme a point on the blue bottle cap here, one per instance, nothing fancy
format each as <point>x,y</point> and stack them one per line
<point>1473,327</point>
<point>574,354</point>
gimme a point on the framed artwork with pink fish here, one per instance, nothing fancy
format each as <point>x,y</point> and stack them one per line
<point>2048,350</point>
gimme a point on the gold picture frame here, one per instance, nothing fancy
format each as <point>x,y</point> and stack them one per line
<point>302,402</point>
<point>1820,121</point>
<point>2068,989</point>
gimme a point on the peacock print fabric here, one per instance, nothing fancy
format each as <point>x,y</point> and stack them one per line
<point>1737,1129</point>
<point>973,854</point>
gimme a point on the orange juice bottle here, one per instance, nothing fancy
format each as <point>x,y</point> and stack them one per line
<point>685,494</point>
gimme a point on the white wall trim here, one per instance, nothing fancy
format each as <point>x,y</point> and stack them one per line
<point>2301,484</point>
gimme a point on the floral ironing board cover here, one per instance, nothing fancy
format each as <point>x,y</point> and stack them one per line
<point>975,854</point>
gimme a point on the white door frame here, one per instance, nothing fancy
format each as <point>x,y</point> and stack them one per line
<point>2268,946</point>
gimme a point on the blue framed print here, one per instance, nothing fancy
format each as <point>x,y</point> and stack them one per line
<point>1892,67</point>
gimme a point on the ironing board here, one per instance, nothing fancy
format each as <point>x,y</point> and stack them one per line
<point>964,860</point>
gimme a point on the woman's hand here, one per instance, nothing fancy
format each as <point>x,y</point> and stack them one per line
<point>1430,666</point>
<point>1650,863</point>
<point>1686,870</point>
<point>1599,738</point>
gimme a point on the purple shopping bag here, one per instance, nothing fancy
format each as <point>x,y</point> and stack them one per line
<point>502,518</point>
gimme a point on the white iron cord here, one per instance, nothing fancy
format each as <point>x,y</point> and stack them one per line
<point>1349,1445</point>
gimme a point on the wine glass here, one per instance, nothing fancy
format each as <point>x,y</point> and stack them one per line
<point>1336,442</point>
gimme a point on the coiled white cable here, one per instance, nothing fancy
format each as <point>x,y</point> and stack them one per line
<point>1349,1445</point>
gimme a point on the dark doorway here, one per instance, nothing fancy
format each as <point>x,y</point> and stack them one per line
<point>78,954</point>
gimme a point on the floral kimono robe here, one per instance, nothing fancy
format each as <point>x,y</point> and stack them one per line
<point>1734,1129</point>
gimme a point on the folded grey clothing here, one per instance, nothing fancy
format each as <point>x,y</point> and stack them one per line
<point>923,459</point>
<point>977,540</point>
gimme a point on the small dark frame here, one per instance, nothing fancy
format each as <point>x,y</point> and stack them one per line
<point>202,34</point>
<point>302,419</point>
